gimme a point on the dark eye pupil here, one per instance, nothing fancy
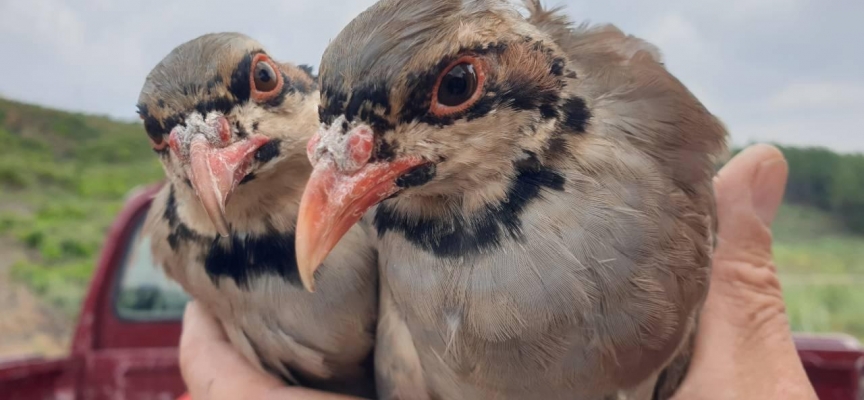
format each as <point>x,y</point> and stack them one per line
<point>265,78</point>
<point>458,85</point>
<point>263,75</point>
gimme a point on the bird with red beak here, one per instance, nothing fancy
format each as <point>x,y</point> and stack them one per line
<point>230,125</point>
<point>345,184</point>
<point>213,162</point>
<point>225,123</point>
<point>541,192</point>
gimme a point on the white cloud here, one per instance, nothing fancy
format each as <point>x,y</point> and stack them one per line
<point>674,32</point>
<point>45,23</point>
<point>772,69</point>
<point>841,132</point>
<point>808,113</point>
<point>820,95</point>
<point>741,11</point>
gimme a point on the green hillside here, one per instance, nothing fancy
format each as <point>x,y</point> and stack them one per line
<point>822,270</point>
<point>63,178</point>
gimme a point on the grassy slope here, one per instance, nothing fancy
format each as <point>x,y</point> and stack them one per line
<point>822,270</point>
<point>63,177</point>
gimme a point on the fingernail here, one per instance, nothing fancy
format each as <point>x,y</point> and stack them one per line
<point>768,189</point>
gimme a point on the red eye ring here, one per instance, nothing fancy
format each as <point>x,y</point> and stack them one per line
<point>479,68</point>
<point>262,96</point>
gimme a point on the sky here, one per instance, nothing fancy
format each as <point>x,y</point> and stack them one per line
<point>785,71</point>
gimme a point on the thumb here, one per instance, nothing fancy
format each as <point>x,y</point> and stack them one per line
<point>745,290</point>
<point>744,347</point>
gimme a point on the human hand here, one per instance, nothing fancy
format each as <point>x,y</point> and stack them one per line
<point>214,370</point>
<point>744,348</point>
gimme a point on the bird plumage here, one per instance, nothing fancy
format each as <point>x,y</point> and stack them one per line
<point>558,242</point>
<point>248,279</point>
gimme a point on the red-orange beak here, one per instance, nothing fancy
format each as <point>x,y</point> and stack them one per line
<point>336,197</point>
<point>216,171</point>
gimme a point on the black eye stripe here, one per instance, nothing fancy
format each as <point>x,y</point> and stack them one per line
<point>422,90</point>
<point>240,86</point>
<point>335,99</point>
<point>269,151</point>
<point>519,95</point>
<point>156,129</point>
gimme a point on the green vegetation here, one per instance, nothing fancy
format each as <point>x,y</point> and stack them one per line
<point>63,178</point>
<point>819,241</point>
<point>828,181</point>
<point>809,241</point>
<point>821,266</point>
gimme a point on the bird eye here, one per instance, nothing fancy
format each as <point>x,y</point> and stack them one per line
<point>458,87</point>
<point>265,77</point>
<point>158,144</point>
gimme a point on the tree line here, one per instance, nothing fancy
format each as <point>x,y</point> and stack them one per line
<point>829,181</point>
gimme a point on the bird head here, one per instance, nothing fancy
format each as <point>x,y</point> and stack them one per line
<point>422,99</point>
<point>222,113</point>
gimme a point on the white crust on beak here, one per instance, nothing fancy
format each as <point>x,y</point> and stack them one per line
<point>212,196</point>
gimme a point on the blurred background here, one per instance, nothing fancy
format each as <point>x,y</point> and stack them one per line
<point>72,151</point>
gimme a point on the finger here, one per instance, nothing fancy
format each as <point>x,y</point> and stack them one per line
<point>214,370</point>
<point>749,191</point>
<point>744,346</point>
<point>744,283</point>
<point>769,186</point>
<point>198,324</point>
<point>760,172</point>
<point>211,367</point>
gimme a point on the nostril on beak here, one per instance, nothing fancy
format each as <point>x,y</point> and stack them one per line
<point>359,148</point>
<point>350,150</point>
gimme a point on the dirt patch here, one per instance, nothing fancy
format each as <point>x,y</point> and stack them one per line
<point>14,202</point>
<point>28,326</point>
<point>12,207</point>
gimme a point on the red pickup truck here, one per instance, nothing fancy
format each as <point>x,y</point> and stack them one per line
<point>125,344</point>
